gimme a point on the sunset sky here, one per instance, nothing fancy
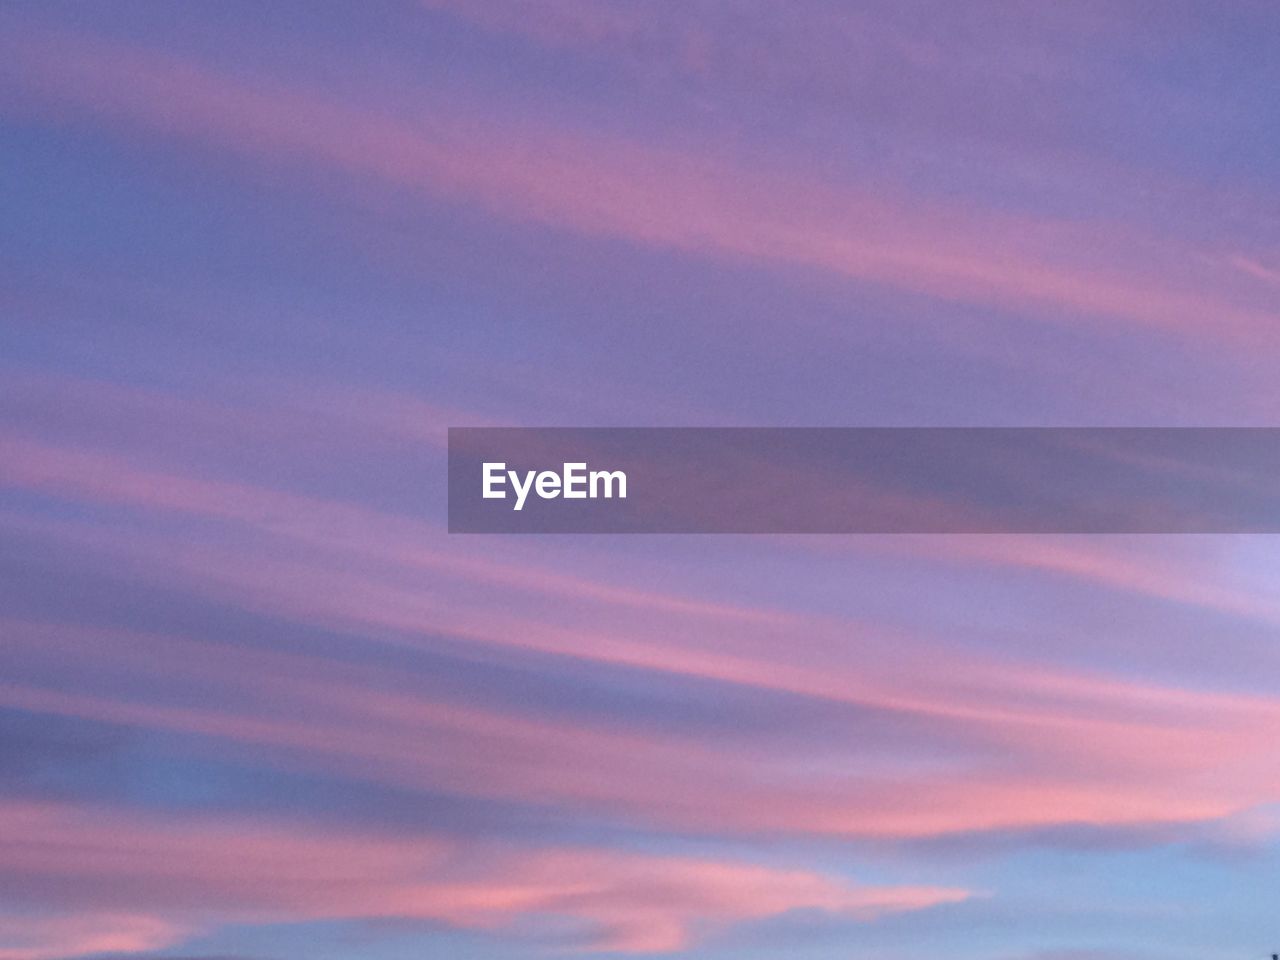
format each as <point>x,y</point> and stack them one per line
<point>256,703</point>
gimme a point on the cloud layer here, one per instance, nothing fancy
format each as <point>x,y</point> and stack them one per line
<point>255,702</point>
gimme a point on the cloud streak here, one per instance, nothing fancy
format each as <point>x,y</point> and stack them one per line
<point>701,205</point>
<point>187,875</point>
<point>256,702</point>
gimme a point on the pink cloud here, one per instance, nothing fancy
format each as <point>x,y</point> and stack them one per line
<point>1094,752</point>
<point>87,932</point>
<point>379,576</point>
<point>195,873</point>
<point>700,204</point>
<point>1073,746</point>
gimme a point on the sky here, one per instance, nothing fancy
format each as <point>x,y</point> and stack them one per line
<point>257,703</point>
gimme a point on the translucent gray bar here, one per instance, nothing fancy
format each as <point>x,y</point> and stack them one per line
<point>865,480</point>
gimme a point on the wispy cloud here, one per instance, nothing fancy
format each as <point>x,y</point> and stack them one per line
<point>695,203</point>
<point>35,937</point>
<point>1027,746</point>
<point>186,875</point>
<point>254,699</point>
